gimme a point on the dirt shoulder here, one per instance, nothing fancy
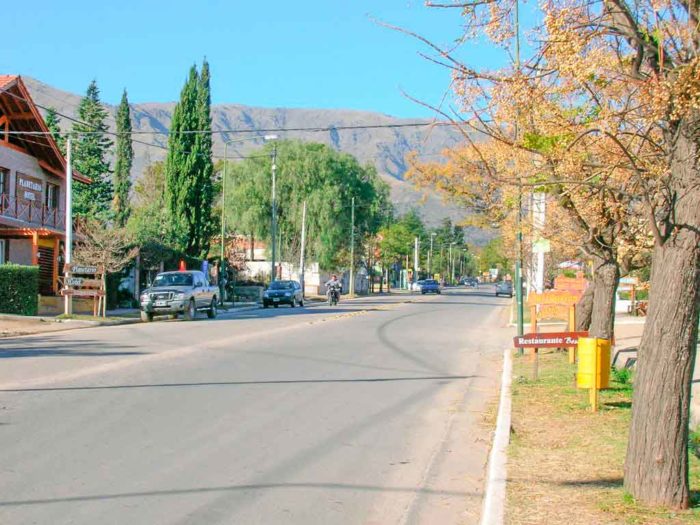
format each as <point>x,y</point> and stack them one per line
<point>565,463</point>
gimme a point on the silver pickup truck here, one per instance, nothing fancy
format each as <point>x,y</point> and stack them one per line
<point>174,293</point>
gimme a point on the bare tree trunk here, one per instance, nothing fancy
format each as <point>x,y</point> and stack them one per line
<point>584,309</point>
<point>606,275</point>
<point>656,468</point>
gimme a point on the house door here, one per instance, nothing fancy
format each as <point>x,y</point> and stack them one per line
<point>46,255</point>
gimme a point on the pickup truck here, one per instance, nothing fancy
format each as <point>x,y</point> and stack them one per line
<point>174,293</point>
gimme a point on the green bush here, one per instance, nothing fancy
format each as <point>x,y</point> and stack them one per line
<point>19,289</point>
<point>622,375</point>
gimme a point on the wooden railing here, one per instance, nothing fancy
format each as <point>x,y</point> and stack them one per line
<point>32,213</point>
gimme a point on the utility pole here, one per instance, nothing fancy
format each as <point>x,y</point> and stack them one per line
<point>352,248</point>
<point>68,248</point>
<point>415,259</point>
<point>302,261</point>
<point>274,213</point>
<point>223,207</point>
<point>519,236</point>
<point>430,256</point>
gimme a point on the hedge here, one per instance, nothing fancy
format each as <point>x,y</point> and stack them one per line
<point>19,289</point>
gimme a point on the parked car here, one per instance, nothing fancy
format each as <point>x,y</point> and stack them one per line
<point>430,286</point>
<point>416,285</point>
<point>174,293</point>
<point>504,288</point>
<point>283,292</point>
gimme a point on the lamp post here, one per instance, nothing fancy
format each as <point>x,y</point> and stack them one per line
<point>430,255</point>
<point>452,265</point>
<point>273,225</point>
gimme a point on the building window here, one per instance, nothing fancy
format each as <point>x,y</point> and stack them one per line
<point>4,181</point>
<point>4,243</point>
<point>52,196</point>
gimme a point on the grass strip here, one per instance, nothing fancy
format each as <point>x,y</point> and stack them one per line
<point>565,464</point>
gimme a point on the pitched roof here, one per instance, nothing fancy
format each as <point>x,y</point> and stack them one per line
<point>17,104</point>
<point>6,80</point>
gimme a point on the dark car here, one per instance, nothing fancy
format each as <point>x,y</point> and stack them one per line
<point>283,292</point>
<point>470,282</point>
<point>430,286</point>
<point>504,288</point>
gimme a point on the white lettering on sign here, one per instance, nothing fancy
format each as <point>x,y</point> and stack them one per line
<point>84,270</point>
<point>29,185</point>
<point>74,281</point>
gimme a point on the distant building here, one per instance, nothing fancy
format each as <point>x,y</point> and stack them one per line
<point>32,187</point>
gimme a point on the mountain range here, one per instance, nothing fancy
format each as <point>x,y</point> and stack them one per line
<point>384,143</point>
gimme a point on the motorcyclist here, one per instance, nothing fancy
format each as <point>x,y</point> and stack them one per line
<point>334,285</point>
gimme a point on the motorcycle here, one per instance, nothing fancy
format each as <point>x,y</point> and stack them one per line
<point>333,295</point>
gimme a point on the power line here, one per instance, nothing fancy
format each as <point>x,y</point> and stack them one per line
<point>106,132</point>
<point>215,132</point>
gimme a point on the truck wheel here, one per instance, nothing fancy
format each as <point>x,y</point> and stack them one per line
<point>211,313</point>
<point>191,311</point>
<point>146,317</point>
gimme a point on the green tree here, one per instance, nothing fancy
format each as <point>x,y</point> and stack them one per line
<point>202,226</point>
<point>90,147</point>
<point>327,180</point>
<point>180,163</point>
<point>124,161</point>
<point>53,123</point>
<point>148,219</point>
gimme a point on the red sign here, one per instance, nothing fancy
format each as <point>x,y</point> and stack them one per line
<point>548,340</point>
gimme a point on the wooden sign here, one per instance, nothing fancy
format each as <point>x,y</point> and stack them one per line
<point>556,297</point>
<point>73,281</point>
<point>82,292</point>
<point>83,269</point>
<point>29,189</point>
<point>549,340</point>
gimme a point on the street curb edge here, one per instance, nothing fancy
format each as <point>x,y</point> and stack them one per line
<point>493,509</point>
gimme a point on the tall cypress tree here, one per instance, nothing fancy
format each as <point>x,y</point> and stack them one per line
<point>204,194</point>
<point>181,166</point>
<point>124,161</point>
<point>53,123</point>
<point>90,149</point>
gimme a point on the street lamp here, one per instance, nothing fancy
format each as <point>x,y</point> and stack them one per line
<point>273,226</point>
<point>452,265</point>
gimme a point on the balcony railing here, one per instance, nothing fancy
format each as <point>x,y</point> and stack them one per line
<point>32,213</point>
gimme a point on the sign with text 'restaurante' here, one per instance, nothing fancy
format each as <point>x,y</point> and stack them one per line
<point>548,340</point>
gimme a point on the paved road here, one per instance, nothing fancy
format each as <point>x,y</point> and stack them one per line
<point>372,412</point>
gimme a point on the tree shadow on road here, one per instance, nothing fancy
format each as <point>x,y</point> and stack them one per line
<point>50,347</point>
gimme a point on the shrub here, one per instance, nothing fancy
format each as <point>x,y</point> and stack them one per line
<point>19,289</point>
<point>622,375</point>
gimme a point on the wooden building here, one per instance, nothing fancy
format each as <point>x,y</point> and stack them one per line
<point>32,187</point>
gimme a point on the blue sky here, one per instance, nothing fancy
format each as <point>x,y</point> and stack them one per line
<point>278,53</point>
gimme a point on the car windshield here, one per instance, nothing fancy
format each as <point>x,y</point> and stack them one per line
<point>173,279</point>
<point>281,285</point>
<point>430,281</point>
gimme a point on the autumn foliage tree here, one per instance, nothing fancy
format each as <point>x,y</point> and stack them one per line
<point>604,114</point>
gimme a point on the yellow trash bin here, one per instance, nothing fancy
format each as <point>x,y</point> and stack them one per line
<point>593,362</point>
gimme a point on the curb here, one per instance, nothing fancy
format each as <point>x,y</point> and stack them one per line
<point>493,509</point>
